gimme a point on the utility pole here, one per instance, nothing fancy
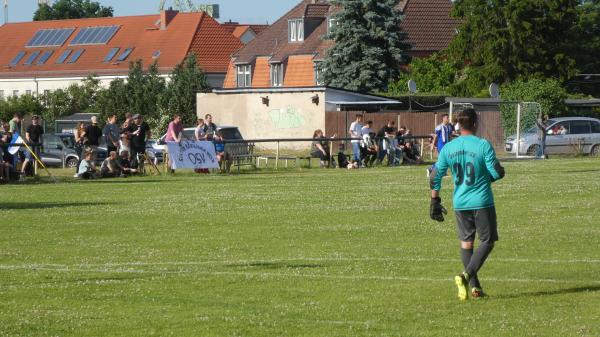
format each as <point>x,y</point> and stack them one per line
<point>5,11</point>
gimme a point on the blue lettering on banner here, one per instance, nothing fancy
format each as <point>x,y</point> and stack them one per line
<point>192,155</point>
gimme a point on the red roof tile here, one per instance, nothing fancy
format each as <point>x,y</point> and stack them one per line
<point>213,45</point>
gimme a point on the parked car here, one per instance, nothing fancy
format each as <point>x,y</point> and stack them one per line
<point>154,151</point>
<point>565,135</point>
<point>58,145</point>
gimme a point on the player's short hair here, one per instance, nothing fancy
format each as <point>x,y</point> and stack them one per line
<point>445,115</point>
<point>468,119</point>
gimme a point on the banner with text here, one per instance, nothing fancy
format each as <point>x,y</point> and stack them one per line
<point>192,155</point>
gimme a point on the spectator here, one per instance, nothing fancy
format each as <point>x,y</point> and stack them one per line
<point>369,148</point>
<point>411,154</point>
<point>128,121</point>
<point>210,128</point>
<point>15,124</point>
<point>174,134</point>
<point>87,169</point>
<point>5,166</point>
<point>200,133</point>
<point>93,133</point>
<point>542,124</point>
<point>140,133</point>
<point>79,134</point>
<point>111,134</point>
<point>224,158</point>
<point>342,158</point>
<point>125,163</point>
<point>320,148</point>
<point>110,166</point>
<point>356,134</point>
<point>385,137</point>
<point>34,136</point>
<point>125,143</point>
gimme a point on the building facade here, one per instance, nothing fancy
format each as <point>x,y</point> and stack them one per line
<point>38,57</point>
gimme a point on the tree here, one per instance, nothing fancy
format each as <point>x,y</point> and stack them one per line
<point>369,46</point>
<point>71,9</point>
<point>503,40</point>
<point>187,79</point>
<point>433,74</point>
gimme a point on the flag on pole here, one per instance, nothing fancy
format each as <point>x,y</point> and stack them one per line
<point>16,139</point>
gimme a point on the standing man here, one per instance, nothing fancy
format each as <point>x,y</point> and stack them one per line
<point>174,134</point>
<point>443,132</point>
<point>210,129</point>
<point>14,127</point>
<point>356,134</point>
<point>140,133</point>
<point>542,124</point>
<point>111,134</point>
<point>34,136</point>
<point>93,133</point>
<point>474,167</point>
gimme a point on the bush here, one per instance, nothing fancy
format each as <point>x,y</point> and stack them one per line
<point>548,92</point>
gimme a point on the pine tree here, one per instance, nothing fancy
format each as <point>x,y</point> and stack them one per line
<point>369,46</point>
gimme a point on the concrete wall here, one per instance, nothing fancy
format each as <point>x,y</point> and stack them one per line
<point>289,115</point>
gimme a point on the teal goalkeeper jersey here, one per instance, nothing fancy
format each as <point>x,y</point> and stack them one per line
<point>474,167</point>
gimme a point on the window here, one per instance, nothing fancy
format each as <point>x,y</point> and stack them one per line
<point>46,92</point>
<point>111,54</point>
<point>75,56</point>
<point>244,78</point>
<point>63,56</point>
<point>580,127</point>
<point>296,30</point>
<point>125,54</point>
<point>28,92</point>
<point>50,37</point>
<point>15,93</point>
<point>331,24</point>
<point>32,58</point>
<point>595,127</point>
<point>277,74</point>
<point>319,73</point>
<point>45,56</point>
<point>17,58</point>
<point>1,94</point>
<point>94,35</point>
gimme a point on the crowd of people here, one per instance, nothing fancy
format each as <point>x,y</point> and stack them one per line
<point>16,163</point>
<point>389,146</point>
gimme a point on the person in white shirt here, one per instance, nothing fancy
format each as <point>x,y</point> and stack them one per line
<point>356,133</point>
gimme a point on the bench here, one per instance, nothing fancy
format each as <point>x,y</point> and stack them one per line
<point>242,154</point>
<point>296,160</point>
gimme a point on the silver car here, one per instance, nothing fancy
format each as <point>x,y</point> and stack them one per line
<point>566,135</point>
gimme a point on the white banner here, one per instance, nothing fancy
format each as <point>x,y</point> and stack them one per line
<point>193,155</point>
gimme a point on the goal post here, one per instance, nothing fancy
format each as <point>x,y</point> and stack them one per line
<point>526,130</point>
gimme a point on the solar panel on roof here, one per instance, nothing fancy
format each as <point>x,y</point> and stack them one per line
<point>63,56</point>
<point>94,35</point>
<point>50,37</point>
<point>17,59</point>
<point>75,56</point>
<point>124,55</point>
<point>111,54</point>
<point>45,56</point>
<point>32,58</point>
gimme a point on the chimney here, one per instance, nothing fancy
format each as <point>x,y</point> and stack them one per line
<point>166,16</point>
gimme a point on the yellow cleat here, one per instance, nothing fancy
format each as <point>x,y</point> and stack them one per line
<point>462,283</point>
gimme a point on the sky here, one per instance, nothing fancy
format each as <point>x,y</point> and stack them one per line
<point>243,11</point>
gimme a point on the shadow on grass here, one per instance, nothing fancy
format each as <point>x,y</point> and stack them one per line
<point>275,265</point>
<point>582,171</point>
<point>47,205</point>
<point>573,290</point>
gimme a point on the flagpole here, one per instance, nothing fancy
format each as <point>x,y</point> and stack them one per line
<point>39,161</point>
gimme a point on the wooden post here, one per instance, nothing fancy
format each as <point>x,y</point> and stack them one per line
<point>277,157</point>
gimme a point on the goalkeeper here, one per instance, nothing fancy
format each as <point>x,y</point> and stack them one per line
<point>474,167</point>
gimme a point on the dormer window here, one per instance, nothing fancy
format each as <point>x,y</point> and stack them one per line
<point>331,25</point>
<point>244,77</point>
<point>276,74</point>
<point>296,30</point>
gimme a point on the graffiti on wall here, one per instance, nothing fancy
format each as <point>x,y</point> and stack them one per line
<point>287,118</point>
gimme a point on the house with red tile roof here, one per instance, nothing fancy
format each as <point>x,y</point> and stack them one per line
<point>244,32</point>
<point>42,56</point>
<point>290,51</point>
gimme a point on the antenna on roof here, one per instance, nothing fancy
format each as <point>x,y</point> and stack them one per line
<point>5,11</point>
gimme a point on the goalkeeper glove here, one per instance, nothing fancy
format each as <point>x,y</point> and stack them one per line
<point>437,211</point>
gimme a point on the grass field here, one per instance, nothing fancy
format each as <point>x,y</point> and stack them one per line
<point>298,253</point>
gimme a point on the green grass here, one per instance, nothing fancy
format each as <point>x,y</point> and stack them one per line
<point>297,253</point>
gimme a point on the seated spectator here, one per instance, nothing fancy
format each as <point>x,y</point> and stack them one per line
<point>110,166</point>
<point>5,166</point>
<point>411,154</point>
<point>370,149</point>
<point>320,148</point>
<point>225,159</point>
<point>87,170</point>
<point>125,163</point>
<point>341,156</point>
